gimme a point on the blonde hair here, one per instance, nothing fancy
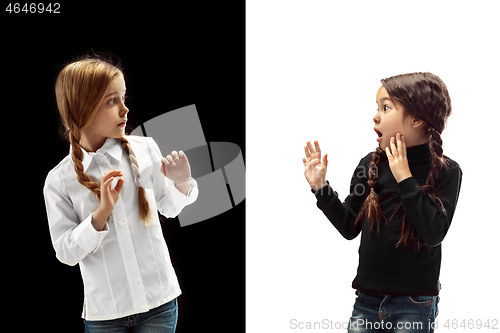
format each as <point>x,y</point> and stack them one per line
<point>80,89</point>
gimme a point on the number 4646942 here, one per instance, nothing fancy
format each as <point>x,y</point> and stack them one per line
<point>471,324</point>
<point>33,8</point>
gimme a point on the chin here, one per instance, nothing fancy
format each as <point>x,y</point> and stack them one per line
<point>383,145</point>
<point>118,134</point>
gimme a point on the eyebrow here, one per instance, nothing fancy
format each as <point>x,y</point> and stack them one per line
<point>384,99</point>
<point>111,94</point>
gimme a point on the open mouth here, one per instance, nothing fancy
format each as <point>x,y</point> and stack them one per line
<point>379,134</point>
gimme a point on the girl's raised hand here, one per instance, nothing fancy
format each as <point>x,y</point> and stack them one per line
<point>176,167</point>
<point>398,162</point>
<point>315,169</point>
<point>109,196</point>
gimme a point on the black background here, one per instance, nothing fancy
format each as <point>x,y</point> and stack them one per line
<point>172,56</point>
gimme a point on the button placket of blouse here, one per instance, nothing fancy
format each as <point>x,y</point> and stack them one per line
<point>125,239</point>
<point>128,254</point>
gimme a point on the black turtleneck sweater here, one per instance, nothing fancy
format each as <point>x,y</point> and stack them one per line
<point>383,267</point>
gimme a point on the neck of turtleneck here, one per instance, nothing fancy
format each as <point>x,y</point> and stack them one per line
<point>419,155</point>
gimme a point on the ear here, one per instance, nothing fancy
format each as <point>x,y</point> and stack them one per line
<point>417,123</point>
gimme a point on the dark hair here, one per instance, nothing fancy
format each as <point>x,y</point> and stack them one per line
<point>423,96</point>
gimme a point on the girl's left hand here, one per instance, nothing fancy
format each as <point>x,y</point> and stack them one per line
<point>397,158</point>
<point>176,167</point>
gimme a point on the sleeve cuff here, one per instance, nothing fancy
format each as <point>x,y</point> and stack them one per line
<point>325,194</point>
<point>408,186</point>
<point>87,237</point>
<point>179,199</point>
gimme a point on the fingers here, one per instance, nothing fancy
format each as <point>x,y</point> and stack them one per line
<point>394,150</point>
<point>306,150</point>
<point>108,179</point>
<point>318,150</point>
<point>388,153</point>
<point>397,147</point>
<point>107,184</point>
<point>168,161</point>
<point>311,149</point>
<point>396,154</point>
<point>401,145</point>
<point>119,185</point>
<point>312,152</point>
<point>111,173</point>
<point>325,160</point>
<point>171,160</point>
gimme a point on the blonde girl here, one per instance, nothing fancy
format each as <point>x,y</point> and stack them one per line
<point>101,203</point>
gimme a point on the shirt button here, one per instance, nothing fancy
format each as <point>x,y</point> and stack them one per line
<point>127,252</point>
<point>120,222</point>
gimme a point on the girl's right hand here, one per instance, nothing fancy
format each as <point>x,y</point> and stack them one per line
<point>109,196</point>
<point>315,169</point>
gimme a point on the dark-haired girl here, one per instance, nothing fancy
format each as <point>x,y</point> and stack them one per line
<point>402,200</point>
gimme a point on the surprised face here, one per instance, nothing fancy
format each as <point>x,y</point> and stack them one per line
<point>391,119</point>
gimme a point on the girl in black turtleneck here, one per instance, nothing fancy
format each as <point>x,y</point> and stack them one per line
<point>402,200</point>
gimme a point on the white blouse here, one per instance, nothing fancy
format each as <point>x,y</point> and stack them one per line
<point>126,268</point>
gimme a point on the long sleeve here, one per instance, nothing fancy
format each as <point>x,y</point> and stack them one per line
<point>385,265</point>
<point>343,215</point>
<point>430,221</point>
<point>72,240</point>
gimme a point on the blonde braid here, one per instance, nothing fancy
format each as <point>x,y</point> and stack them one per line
<point>144,210</point>
<point>77,157</point>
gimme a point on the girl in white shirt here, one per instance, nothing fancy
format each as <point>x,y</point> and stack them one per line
<point>102,200</point>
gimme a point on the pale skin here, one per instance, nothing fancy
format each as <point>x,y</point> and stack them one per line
<point>109,122</point>
<point>398,132</point>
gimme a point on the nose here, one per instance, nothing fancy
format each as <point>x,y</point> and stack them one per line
<point>376,118</point>
<point>123,110</point>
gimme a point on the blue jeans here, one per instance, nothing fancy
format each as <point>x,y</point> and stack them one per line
<point>384,313</point>
<point>162,319</point>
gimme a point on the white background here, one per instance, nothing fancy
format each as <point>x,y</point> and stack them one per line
<point>313,70</point>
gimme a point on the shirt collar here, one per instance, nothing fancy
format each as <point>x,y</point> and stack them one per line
<point>112,147</point>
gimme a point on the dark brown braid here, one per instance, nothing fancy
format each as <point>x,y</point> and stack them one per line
<point>371,210</point>
<point>438,163</point>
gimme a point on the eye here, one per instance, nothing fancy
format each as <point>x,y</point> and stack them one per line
<point>113,100</point>
<point>386,107</point>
